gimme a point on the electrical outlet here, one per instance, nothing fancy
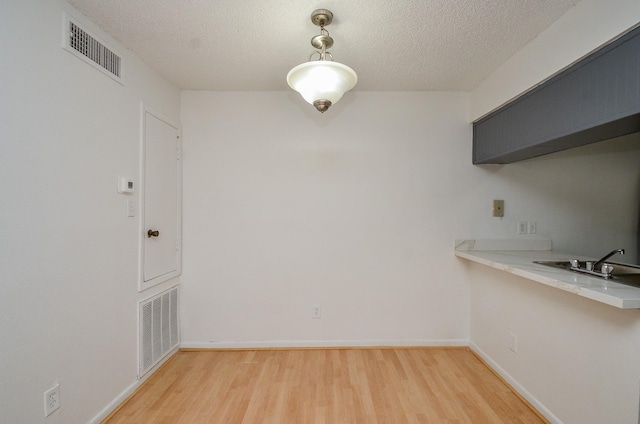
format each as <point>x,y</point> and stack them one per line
<point>316,311</point>
<point>51,400</point>
<point>523,227</point>
<point>533,227</point>
<point>513,342</point>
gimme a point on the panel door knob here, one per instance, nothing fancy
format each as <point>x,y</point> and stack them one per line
<point>152,233</point>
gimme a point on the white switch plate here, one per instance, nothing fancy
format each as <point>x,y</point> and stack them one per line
<point>131,208</point>
<point>316,311</point>
<point>533,227</point>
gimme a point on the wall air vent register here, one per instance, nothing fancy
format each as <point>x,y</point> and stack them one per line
<point>158,326</point>
<point>91,50</point>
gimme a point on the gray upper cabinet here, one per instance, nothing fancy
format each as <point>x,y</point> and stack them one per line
<point>595,99</point>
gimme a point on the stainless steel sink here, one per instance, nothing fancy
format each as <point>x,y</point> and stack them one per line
<point>621,273</point>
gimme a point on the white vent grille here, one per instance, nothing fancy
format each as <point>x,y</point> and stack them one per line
<point>159,333</point>
<point>93,51</point>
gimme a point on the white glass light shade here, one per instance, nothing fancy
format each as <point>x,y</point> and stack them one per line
<point>322,80</point>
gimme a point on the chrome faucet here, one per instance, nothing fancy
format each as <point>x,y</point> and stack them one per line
<point>620,251</point>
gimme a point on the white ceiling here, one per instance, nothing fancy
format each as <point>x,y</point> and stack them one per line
<point>393,45</point>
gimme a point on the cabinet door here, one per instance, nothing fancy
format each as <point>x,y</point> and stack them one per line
<point>161,202</point>
<point>595,99</point>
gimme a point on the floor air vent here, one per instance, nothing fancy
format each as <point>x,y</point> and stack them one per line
<point>88,48</point>
<point>158,328</point>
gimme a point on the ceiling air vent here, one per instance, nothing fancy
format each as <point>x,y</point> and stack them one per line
<point>90,49</point>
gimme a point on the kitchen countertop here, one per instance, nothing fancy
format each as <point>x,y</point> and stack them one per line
<point>516,257</point>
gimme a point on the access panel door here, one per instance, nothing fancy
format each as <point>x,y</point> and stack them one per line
<point>161,185</point>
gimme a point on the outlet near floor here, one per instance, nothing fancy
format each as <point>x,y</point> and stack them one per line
<point>316,311</point>
<point>513,342</point>
<point>51,400</point>
<point>527,227</point>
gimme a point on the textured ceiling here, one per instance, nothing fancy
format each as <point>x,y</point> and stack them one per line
<point>250,45</point>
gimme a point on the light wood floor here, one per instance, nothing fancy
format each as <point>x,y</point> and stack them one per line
<point>333,386</point>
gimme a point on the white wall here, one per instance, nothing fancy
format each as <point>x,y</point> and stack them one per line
<point>586,200</point>
<point>68,310</point>
<point>571,351</point>
<point>577,359</point>
<point>356,209</point>
<point>353,209</point>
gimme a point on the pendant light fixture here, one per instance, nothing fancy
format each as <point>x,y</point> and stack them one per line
<point>322,82</point>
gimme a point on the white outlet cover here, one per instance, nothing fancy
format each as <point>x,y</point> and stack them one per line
<point>513,343</point>
<point>51,400</point>
<point>523,227</point>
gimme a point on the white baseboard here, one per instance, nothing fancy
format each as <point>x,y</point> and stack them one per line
<point>539,406</point>
<point>267,344</point>
<point>128,391</point>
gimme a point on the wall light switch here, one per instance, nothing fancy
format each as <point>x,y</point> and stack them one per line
<point>131,208</point>
<point>498,208</point>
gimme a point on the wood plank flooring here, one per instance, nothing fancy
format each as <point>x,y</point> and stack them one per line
<point>331,386</point>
